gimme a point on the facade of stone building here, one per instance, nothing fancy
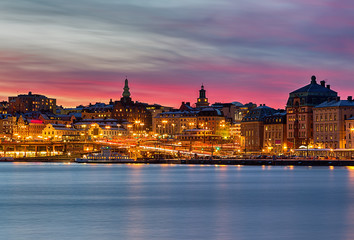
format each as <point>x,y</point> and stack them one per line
<point>300,111</point>
<point>252,127</point>
<point>330,123</point>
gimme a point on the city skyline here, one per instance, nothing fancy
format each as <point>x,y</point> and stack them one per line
<point>246,52</point>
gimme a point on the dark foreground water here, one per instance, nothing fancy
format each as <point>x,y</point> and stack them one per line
<point>58,201</point>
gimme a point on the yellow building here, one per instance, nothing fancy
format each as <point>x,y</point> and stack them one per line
<point>97,131</point>
<point>59,132</point>
<point>349,130</point>
<point>275,133</point>
<point>173,123</point>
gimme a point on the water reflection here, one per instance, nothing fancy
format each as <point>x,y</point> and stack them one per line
<point>57,201</point>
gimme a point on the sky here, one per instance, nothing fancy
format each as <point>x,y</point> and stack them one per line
<point>241,50</point>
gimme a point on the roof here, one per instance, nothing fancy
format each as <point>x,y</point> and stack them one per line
<point>311,94</point>
<point>238,104</point>
<point>314,87</point>
<point>258,113</point>
<point>335,103</point>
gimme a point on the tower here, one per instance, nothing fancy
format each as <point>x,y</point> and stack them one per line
<point>126,94</point>
<point>202,101</point>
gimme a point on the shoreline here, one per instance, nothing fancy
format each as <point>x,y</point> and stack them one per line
<point>246,162</point>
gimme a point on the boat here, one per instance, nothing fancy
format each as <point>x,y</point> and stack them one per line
<point>6,159</point>
<point>106,156</point>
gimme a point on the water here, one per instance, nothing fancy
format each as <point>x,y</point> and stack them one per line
<point>58,201</point>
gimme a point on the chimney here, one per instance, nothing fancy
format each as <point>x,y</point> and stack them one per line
<point>313,80</point>
<point>350,98</point>
<point>323,83</point>
<point>188,103</point>
<point>29,93</point>
<point>329,86</point>
<point>182,103</point>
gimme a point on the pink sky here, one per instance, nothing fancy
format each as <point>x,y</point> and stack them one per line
<point>247,51</point>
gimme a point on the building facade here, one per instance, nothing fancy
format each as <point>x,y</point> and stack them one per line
<point>252,127</point>
<point>330,123</point>
<point>299,110</point>
<point>30,103</point>
<point>135,113</point>
<point>275,133</point>
<point>349,130</point>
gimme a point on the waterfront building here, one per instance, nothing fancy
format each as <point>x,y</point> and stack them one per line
<point>234,113</point>
<point>31,102</point>
<point>135,113</point>
<point>7,122</point>
<point>169,124</point>
<point>330,123</point>
<point>252,127</point>
<point>349,132</point>
<point>275,133</point>
<point>212,119</point>
<point>109,132</point>
<point>299,109</point>
<point>202,101</point>
<point>61,132</point>
<point>35,128</point>
<point>20,128</point>
<point>199,135</point>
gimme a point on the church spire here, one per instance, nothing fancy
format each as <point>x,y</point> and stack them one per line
<point>202,101</point>
<point>126,94</point>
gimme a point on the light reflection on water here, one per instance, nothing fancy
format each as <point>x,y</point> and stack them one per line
<point>60,201</point>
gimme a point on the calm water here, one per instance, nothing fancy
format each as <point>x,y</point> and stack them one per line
<point>58,201</point>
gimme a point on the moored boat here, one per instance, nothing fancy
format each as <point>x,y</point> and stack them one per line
<point>106,156</point>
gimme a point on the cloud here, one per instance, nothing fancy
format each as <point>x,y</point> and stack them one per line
<point>242,50</point>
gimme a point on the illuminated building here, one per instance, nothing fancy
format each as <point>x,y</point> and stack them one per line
<point>174,122</point>
<point>98,110</point>
<point>186,118</point>
<point>135,113</point>
<point>212,119</point>
<point>329,123</point>
<point>252,127</point>
<point>300,111</point>
<point>275,132</point>
<point>59,132</point>
<point>30,103</point>
<point>4,105</point>
<point>349,131</point>
<point>198,135</point>
<point>109,132</point>
<point>7,122</point>
<point>202,101</point>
